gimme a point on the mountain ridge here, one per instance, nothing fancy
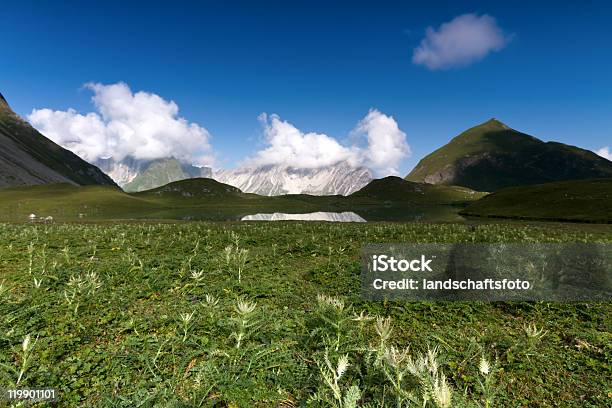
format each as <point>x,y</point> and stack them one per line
<point>29,158</point>
<point>135,175</point>
<point>271,180</point>
<point>492,155</point>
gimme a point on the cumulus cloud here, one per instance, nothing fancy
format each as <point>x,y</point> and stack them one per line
<point>463,40</point>
<point>605,152</point>
<point>386,143</point>
<point>142,125</point>
<point>384,149</point>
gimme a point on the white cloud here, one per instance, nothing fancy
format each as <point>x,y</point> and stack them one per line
<point>385,146</point>
<point>141,124</point>
<point>463,40</point>
<point>605,152</point>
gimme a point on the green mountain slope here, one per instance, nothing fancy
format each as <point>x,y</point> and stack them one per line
<point>493,156</point>
<point>163,171</point>
<point>194,188</point>
<point>397,189</point>
<point>580,200</point>
<point>29,158</point>
<point>67,202</point>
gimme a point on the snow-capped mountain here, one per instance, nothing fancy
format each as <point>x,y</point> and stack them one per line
<point>139,175</point>
<point>122,171</point>
<point>340,179</point>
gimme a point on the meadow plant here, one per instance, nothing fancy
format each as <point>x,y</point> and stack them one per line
<point>185,319</point>
<point>236,258</point>
<point>533,333</point>
<point>25,359</point>
<point>30,257</point>
<point>245,324</point>
<point>3,289</point>
<point>487,382</point>
<point>81,287</point>
<point>332,311</point>
<point>331,375</point>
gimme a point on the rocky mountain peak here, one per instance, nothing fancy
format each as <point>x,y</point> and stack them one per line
<point>3,101</point>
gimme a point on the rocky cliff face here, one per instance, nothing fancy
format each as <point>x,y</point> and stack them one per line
<point>139,175</point>
<point>277,180</point>
<point>29,158</point>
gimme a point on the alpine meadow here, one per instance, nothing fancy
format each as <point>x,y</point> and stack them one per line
<point>312,204</point>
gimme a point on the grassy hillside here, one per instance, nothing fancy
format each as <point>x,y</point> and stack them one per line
<point>28,157</point>
<point>584,200</point>
<point>397,189</point>
<point>195,189</point>
<point>65,202</point>
<point>493,156</point>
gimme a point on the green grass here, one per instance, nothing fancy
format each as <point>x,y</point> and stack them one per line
<point>579,201</point>
<point>108,311</point>
<point>207,199</point>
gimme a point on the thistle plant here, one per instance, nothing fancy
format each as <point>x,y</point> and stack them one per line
<point>241,256</point>
<point>237,258</point>
<point>37,283</point>
<point>185,319</point>
<point>395,366</point>
<point>331,375</point>
<point>533,333</point>
<point>434,386</point>
<point>81,286</point>
<point>197,275</point>
<point>3,289</point>
<point>211,300</point>
<point>384,330</point>
<point>244,321</point>
<point>211,303</point>
<point>25,356</point>
<point>332,311</point>
<point>361,319</point>
<point>30,257</point>
<point>228,254</point>
<point>487,383</point>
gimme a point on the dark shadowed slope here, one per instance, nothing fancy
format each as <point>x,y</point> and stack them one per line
<point>397,189</point>
<point>580,200</point>
<point>29,158</point>
<point>493,156</point>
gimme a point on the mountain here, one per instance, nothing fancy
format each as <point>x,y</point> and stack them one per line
<point>491,156</point>
<point>340,179</point>
<point>577,200</point>
<point>396,189</point>
<point>139,175</point>
<point>29,158</point>
<point>194,188</point>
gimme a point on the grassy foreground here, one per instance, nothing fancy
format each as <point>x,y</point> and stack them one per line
<point>269,315</point>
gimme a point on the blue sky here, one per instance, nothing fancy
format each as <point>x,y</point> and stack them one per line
<point>319,65</point>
